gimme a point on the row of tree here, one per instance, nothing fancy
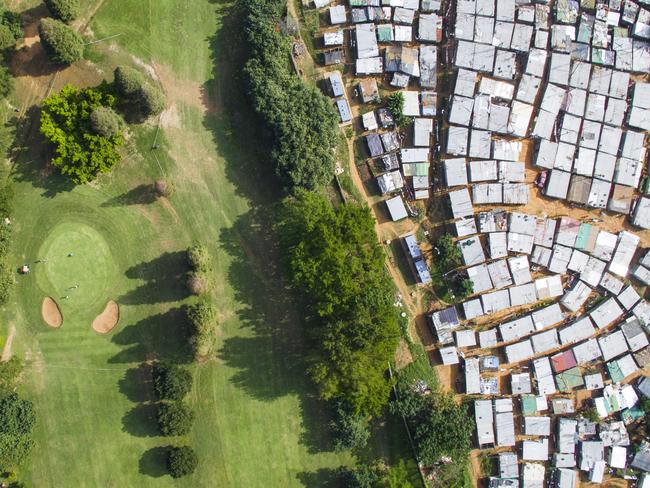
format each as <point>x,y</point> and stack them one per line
<point>337,267</point>
<point>202,313</point>
<point>302,122</point>
<point>84,128</point>
<point>171,383</point>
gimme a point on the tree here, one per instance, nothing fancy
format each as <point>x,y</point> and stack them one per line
<point>199,258</point>
<point>395,105</point>
<point>79,152</point>
<point>181,461</point>
<point>61,43</point>
<point>444,429</point>
<point>65,10</point>
<point>174,418</point>
<point>18,419</point>
<point>449,253</point>
<point>171,382</point>
<point>197,283</point>
<point>302,123</point>
<point>337,267</point>
<point>7,39</point>
<point>139,96</point>
<point>13,22</point>
<point>105,122</point>
<point>350,430</point>
<point>152,100</point>
<point>465,288</point>
<point>128,81</point>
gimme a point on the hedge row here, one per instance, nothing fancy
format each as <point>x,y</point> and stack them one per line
<point>301,121</point>
<point>202,314</point>
<point>6,210</point>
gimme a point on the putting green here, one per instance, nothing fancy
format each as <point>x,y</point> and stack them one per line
<point>91,267</point>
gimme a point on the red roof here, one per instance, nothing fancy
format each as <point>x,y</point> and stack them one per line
<point>563,361</point>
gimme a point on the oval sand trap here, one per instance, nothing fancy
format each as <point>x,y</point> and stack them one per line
<point>51,313</point>
<point>108,319</point>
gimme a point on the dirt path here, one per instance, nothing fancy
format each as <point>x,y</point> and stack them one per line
<point>6,350</point>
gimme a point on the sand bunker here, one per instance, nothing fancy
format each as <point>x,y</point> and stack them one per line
<point>108,319</point>
<point>51,313</point>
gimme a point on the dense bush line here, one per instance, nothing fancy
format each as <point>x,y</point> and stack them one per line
<point>6,209</point>
<point>337,267</point>
<point>302,122</point>
<point>11,28</point>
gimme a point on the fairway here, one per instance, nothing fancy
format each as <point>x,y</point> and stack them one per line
<point>259,423</point>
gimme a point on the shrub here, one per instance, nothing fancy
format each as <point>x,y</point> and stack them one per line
<point>14,22</point>
<point>181,461</point>
<point>197,284</point>
<point>65,10</point>
<point>9,372</point>
<point>449,252</point>
<point>79,152</point>
<point>18,419</point>
<point>164,189</point>
<point>174,418</point>
<point>199,258</point>
<point>6,82</point>
<point>203,319</point>
<point>171,382</point>
<point>7,39</point>
<point>6,281</point>
<point>6,200</point>
<point>105,122</point>
<point>61,43</point>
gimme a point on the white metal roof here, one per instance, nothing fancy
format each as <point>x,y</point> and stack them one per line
<point>484,422</point>
<point>498,244</point>
<point>576,296</point>
<point>519,351</point>
<point>473,309</point>
<point>471,250</point>
<point>628,297</point>
<point>505,426</point>
<point>523,294</point>
<point>461,203</point>
<point>577,331</point>
<point>488,338</point>
<point>516,329</point>
<point>587,351</point>
<point>547,316</point>
<point>625,249</point>
<point>613,345</point>
<point>472,376</point>
<point>545,341</point>
<point>535,450</point>
<point>495,301</point>
<point>606,313</point>
<point>539,426</point>
<point>544,376</point>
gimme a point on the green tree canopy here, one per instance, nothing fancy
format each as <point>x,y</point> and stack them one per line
<point>337,266</point>
<point>301,120</point>
<point>65,10</point>
<point>181,461</point>
<point>350,430</point>
<point>139,96</point>
<point>61,43</point>
<point>79,152</point>
<point>395,105</point>
<point>174,418</point>
<point>171,382</point>
<point>450,255</point>
<point>17,419</point>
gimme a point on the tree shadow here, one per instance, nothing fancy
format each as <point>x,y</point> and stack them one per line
<point>136,384</point>
<point>29,150</point>
<point>164,335</point>
<point>165,280</point>
<point>323,478</point>
<point>143,194</point>
<point>154,462</point>
<point>270,362</point>
<point>141,421</point>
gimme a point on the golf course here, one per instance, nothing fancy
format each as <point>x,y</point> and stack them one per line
<point>258,419</point>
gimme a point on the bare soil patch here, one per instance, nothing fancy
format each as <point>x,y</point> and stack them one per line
<point>6,350</point>
<point>51,313</point>
<point>108,319</point>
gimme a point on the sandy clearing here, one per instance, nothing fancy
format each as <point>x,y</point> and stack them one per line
<point>51,313</point>
<point>108,319</point>
<point>6,350</point>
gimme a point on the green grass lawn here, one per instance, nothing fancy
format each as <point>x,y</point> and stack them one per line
<point>258,421</point>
